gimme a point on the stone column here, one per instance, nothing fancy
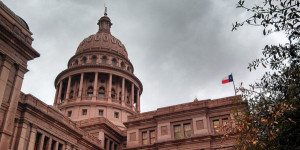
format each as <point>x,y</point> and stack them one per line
<point>69,87</point>
<point>56,145</point>
<point>95,86</point>
<point>138,103</point>
<point>107,144</point>
<point>16,135</point>
<point>80,87</point>
<point>132,95</point>
<point>123,92</point>
<point>102,138</point>
<point>41,142</point>
<point>56,97</point>
<point>109,87</point>
<point>23,128</point>
<point>49,144</point>
<point>59,93</point>
<point>8,121</point>
<point>32,136</point>
<point>4,74</point>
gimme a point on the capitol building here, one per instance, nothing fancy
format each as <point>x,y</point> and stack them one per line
<point>97,101</point>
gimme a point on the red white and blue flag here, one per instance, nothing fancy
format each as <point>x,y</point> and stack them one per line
<point>227,79</point>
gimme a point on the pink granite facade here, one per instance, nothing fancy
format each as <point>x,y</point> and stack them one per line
<point>27,123</point>
<point>196,126</point>
<point>97,101</point>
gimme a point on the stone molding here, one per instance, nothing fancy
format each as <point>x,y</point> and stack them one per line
<point>33,105</point>
<point>184,109</point>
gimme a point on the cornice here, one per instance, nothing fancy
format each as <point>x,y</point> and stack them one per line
<point>14,40</point>
<point>98,102</point>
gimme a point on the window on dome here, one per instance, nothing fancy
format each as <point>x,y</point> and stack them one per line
<point>127,100</point>
<point>84,112</point>
<point>122,65</point>
<point>113,93</point>
<point>128,68</point>
<point>71,94</point>
<point>90,91</point>
<point>101,92</point>
<point>70,113</point>
<point>114,62</point>
<point>75,62</point>
<point>120,96</point>
<point>94,59</point>
<point>100,112</point>
<point>84,59</point>
<point>102,81</point>
<point>104,60</point>
<point>116,114</point>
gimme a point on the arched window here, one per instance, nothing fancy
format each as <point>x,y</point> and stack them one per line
<point>122,65</point>
<point>94,59</point>
<point>114,62</point>
<point>76,91</point>
<point>75,62</point>
<point>113,93</point>
<point>128,68</point>
<point>71,94</point>
<point>89,91</point>
<point>120,96</point>
<point>127,100</point>
<point>101,92</point>
<point>84,59</point>
<point>104,60</point>
<point>102,80</point>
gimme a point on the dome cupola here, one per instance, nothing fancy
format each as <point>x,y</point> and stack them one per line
<point>99,80</point>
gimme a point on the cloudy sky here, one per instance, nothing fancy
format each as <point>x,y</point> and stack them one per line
<point>181,49</point>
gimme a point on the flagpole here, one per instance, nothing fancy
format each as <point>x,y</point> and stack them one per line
<point>233,84</point>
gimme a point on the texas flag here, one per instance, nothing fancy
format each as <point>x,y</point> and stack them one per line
<point>227,79</point>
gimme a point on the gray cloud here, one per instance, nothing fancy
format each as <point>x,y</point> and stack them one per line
<point>181,49</point>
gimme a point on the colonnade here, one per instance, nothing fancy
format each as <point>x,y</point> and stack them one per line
<point>125,98</point>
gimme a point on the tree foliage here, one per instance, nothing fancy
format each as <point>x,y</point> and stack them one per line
<point>272,120</point>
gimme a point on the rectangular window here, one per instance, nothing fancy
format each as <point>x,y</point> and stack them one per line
<point>144,138</point>
<point>177,132</point>
<point>224,121</point>
<point>199,124</point>
<point>216,125</point>
<point>69,113</point>
<point>84,112</point>
<point>116,114</point>
<point>187,130</point>
<point>152,136</point>
<point>100,112</point>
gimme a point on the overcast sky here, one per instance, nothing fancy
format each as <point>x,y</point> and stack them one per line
<point>181,49</point>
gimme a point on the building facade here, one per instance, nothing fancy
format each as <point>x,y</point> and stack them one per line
<point>97,101</point>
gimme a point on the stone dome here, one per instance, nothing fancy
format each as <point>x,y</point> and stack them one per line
<point>102,40</point>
